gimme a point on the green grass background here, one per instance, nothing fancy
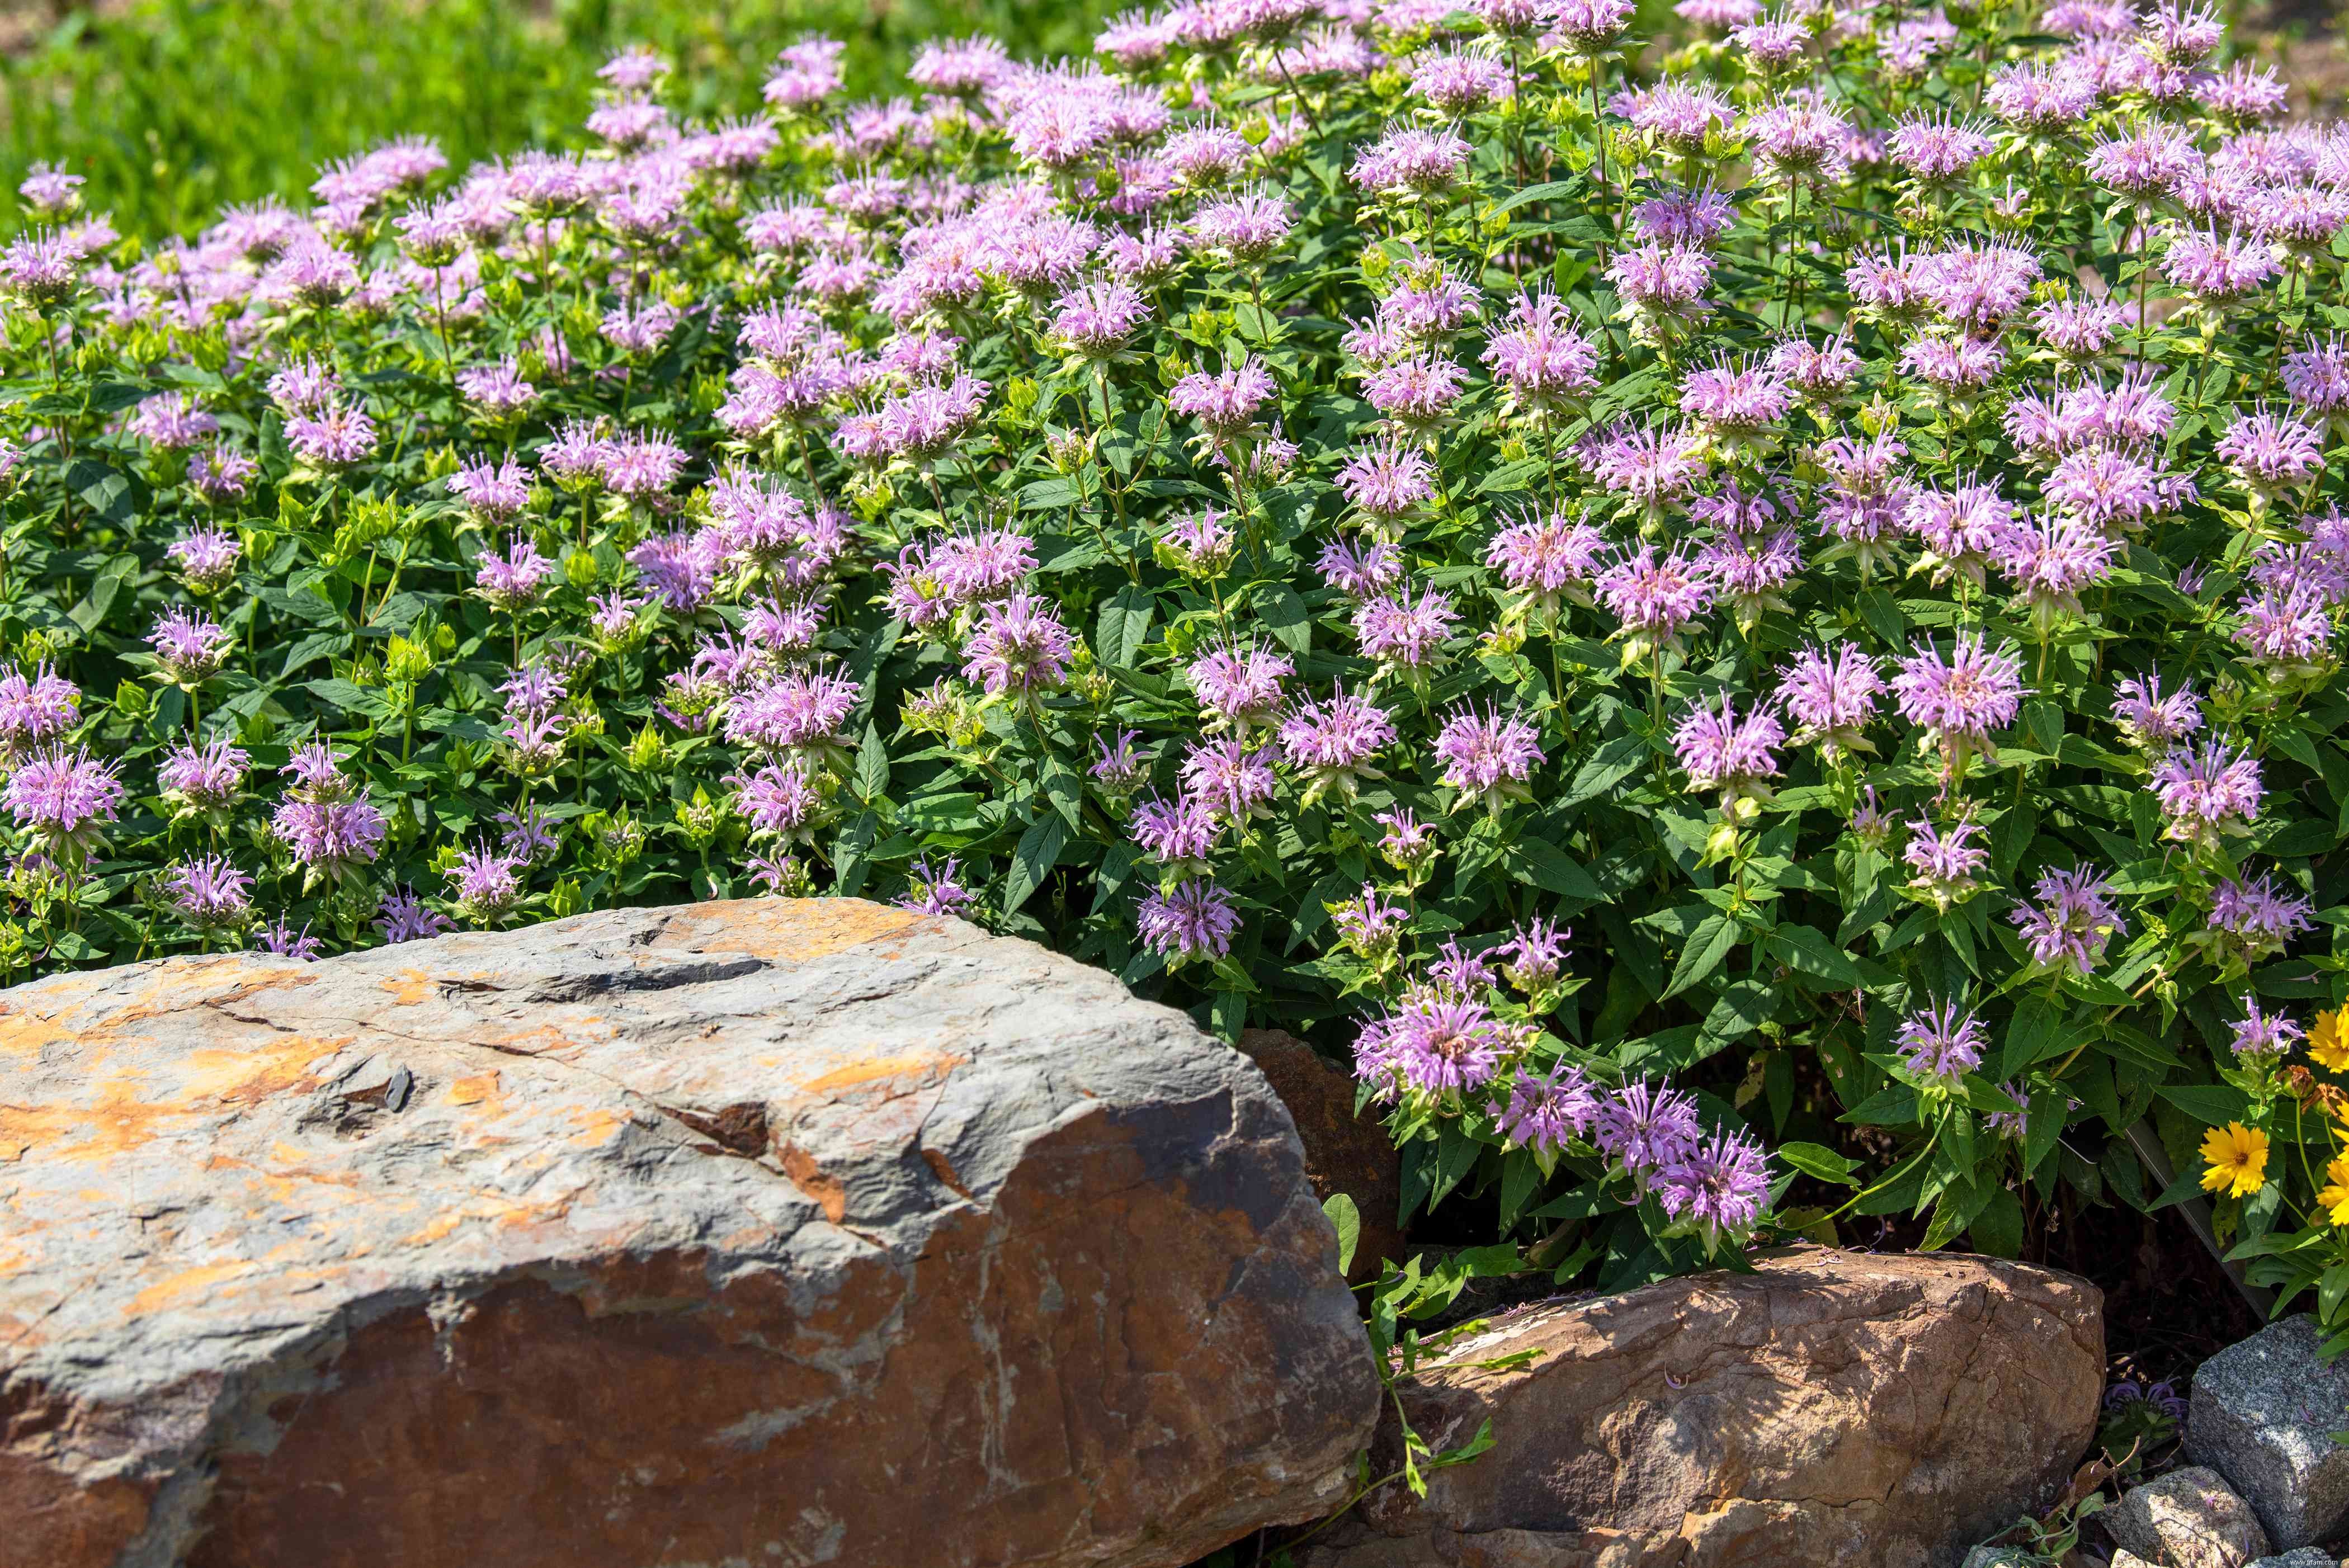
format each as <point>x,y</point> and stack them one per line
<point>173,108</point>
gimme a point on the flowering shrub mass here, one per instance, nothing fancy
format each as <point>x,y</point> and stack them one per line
<point>1776,589</point>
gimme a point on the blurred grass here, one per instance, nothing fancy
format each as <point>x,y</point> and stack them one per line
<point>171,108</point>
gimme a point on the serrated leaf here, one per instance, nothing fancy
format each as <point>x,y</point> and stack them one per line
<point>1039,852</point>
<point>1704,952</point>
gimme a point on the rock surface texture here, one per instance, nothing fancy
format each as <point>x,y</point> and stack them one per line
<point>1833,1407</point>
<point>2188,1518</point>
<point>767,1232</point>
<point>1343,1153</point>
<point>2262,1415</point>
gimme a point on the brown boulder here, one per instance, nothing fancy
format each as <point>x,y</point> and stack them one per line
<point>1343,1153</point>
<point>1831,1407</point>
<point>770,1232</point>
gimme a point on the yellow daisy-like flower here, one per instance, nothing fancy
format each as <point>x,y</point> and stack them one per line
<point>2328,1040</point>
<point>2238,1159</point>
<point>2334,1198</point>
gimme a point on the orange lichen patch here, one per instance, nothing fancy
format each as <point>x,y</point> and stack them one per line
<point>409,987</point>
<point>791,931</point>
<point>926,1066</point>
<point>596,1124</point>
<point>539,1040</point>
<point>250,1076</point>
<point>475,1090</point>
<point>809,1177</point>
<point>197,1281</point>
<point>25,1033</point>
<point>120,1110</point>
<point>499,1214</point>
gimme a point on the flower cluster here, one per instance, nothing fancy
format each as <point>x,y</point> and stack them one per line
<point>1293,507</point>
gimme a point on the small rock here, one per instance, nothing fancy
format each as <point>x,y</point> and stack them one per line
<point>2297,1557</point>
<point>2188,1518</point>
<point>1828,1408</point>
<point>1343,1153</point>
<point>2008,1557</point>
<point>2125,1558</point>
<point>2262,1415</point>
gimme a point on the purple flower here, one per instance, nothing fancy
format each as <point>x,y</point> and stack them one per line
<point>1237,783</point>
<point>1487,757</point>
<point>1720,1185</point>
<point>795,715</point>
<point>1333,742</point>
<point>209,892</point>
<point>1408,844</point>
<point>2072,922</point>
<point>1226,405</point>
<point>1718,750</point>
<point>935,890</point>
<point>2271,454</point>
<point>1438,1043</point>
<point>2152,720</point>
<point>1369,924</point>
<point>2259,1034</point>
<point>207,557</point>
<point>778,802</point>
<point>1543,558</point>
<point>1118,767</point>
<point>493,491</point>
<point>1019,647</point>
<point>189,647</point>
<point>1359,574</point>
<point>36,707</point>
<point>2250,919</point>
<point>1545,1109</point>
<point>1832,698</point>
<point>1655,597</point>
<point>202,778</point>
<point>402,916</point>
<point>1403,633</point>
<point>1180,832</point>
<point>1195,920</point>
<point>484,882</point>
<point>1962,697</point>
<point>286,942</point>
<point>1410,158</point>
<point>1941,1043</point>
<point>1534,955</point>
<point>1096,320</point>
<point>333,437</point>
<point>2206,792</point>
<point>1945,862</point>
<point>64,798</point>
<point>1644,1128</point>
<point>512,582</point>
<point>1387,480</point>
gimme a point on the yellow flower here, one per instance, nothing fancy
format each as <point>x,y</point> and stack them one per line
<point>2328,1040</point>
<point>2334,1197</point>
<point>2238,1159</point>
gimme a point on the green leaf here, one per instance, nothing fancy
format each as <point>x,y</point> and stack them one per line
<point>1706,948</point>
<point>1348,1219</point>
<point>1283,614</point>
<point>2212,1105</point>
<point>1039,852</point>
<point>871,766</point>
<point>1608,766</point>
<point>1997,1227</point>
<point>1741,1009</point>
<point>1806,948</point>
<point>1124,625</point>
<point>1817,1160</point>
<point>1548,867</point>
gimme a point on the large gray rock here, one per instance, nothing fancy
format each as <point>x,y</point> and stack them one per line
<point>2297,1557</point>
<point>1830,1407</point>
<point>2187,1518</point>
<point>762,1232</point>
<point>2262,1414</point>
